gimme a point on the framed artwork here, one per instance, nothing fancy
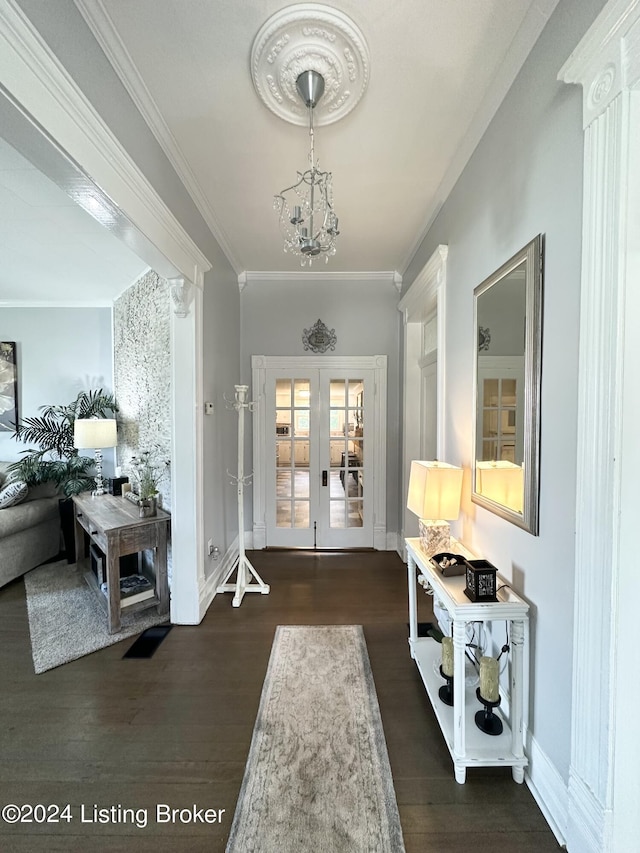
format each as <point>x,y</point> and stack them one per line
<point>8,386</point>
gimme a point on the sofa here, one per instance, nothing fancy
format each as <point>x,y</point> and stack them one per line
<point>29,530</point>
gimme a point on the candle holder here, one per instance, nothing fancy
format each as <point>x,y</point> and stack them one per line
<point>446,691</point>
<point>486,720</point>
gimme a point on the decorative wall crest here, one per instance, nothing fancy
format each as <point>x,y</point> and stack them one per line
<point>319,338</point>
<point>310,37</point>
<point>484,338</point>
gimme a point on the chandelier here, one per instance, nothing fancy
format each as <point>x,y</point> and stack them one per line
<point>308,221</point>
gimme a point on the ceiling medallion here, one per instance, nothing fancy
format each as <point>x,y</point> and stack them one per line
<point>310,37</point>
<point>319,338</point>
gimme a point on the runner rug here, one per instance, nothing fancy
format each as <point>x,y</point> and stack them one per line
<point>318,776</point>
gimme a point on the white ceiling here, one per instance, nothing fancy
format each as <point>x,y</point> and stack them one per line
<point>438,71</point>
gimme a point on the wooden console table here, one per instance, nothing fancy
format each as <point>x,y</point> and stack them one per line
<point>469,747</point>
<point>114,525</point>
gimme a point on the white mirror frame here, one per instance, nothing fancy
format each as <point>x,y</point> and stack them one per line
<point>532,256</point>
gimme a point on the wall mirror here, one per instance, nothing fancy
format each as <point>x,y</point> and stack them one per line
<point>508,330</point>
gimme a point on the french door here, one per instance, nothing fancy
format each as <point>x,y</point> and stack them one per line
<point>315,481</point>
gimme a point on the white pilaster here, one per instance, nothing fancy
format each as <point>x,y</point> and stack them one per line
<point>187,538</point>
<point>607,65</point>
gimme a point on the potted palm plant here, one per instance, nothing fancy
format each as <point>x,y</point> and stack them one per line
<point>55,459</point>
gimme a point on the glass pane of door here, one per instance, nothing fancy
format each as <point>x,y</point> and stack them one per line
<point>292,452</point>
<point>346,426</point>
<point>343,504</point>
<point>499,419</point>
<point>289,511</point>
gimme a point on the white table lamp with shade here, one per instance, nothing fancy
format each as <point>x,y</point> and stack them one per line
<point>435,489</point>
<point>95,434</point>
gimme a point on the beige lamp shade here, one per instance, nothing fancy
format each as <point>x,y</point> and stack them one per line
<point>435,489</point>
<point>94,433</point>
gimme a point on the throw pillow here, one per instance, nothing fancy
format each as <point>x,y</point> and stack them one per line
<point>13,493</point>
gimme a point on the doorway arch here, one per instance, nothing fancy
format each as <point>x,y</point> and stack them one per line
<point>40,99</point>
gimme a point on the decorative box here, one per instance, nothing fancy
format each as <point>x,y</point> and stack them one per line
<point>114,485</point>
<point>481,581</point>
<point>449,565</point>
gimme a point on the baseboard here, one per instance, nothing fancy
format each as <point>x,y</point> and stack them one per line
<point>588,823</point>
<point>392,542</point>
<point>549,790</point>
<point>259,536</point>
<point>210,587</point>
<point>380,537</point>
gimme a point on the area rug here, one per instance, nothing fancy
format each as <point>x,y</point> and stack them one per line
<point>318,775</point>
<point>66,620</point>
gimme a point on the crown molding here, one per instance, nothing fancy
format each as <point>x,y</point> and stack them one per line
<point>534,22</point>
<point>101,25</point>
<point>264,276</point>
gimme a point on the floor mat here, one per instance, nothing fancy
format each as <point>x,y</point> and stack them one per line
<point>147,643</point>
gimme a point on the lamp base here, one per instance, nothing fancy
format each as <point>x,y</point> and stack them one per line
<point>435,536</point>
<point>99,489</point>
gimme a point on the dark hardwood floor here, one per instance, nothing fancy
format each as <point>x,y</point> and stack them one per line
<point>175,729</point>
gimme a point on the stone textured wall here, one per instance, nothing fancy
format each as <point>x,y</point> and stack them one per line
<point>142,374</point>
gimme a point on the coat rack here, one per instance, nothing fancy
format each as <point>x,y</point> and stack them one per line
<point>247,579</point>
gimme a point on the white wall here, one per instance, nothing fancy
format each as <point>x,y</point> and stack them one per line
<point>60,351</point>
<point>221,372</point>
<point>525,177</point>
<point>366,321</point>
<point>502,309</point>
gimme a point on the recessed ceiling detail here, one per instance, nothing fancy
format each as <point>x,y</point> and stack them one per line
<point>310,37</point>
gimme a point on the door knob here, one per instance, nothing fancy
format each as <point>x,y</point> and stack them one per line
<point>324,478</point>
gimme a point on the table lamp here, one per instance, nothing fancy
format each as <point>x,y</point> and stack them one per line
<point>94,434</point>
<point>435,489</point>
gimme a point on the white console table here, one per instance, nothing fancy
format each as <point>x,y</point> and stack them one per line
<point>469,747</point>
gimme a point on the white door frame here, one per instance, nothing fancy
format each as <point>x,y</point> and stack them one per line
<point>378,363</point>
<point>424,299</point>
<point>604,785</point>
<point>39,86</point>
